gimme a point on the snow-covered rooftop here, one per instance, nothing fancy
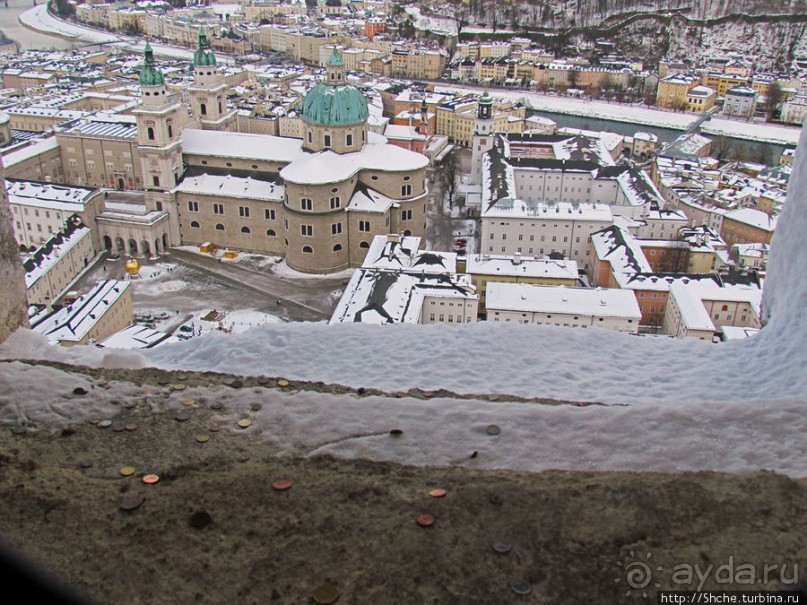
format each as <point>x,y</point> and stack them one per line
<point>329,167</point>
<point>484,264</point>
<point>237,145</point>
<point>529,298</point>
<point>73,322</point>
<point>232,186</point>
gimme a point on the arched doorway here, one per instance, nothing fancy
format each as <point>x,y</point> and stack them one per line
<point>120,183</point>
<point>157,247</point>
<point>165,242</point>
<point>107,243</point>
<point>407,233</point>
<point>132,247</point>
<point>119,244</point>
<point>145,247</point>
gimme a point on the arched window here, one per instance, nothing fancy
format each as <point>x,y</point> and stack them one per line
<point>203,109</point>
<point>349,139</point>
<point>308,249</point>
<point>170,130</point>
<point>245,230</point>
<point>364,245</point>
<point>271,232</point>
<point>150,133</point>
<point>219,227</point>
<point>337,247</point>
<point>195,224</point>
<point>327,140</point>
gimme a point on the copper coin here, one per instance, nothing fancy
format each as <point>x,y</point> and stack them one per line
<point>127,471</point>
<point>85,463</point>
<point>151,479</point>
<point>131,501</point>
<point>263,381</point>
<point>202,438</point>
<point>255,407</point>
<point>325,594</point>
<point>131,426</point>
<point>244,423</point>
<point>282,382</point>
<point>281,485</point>
<point>424,520</point>
<point>215,428</point>
<point>437,493</point>
<point>118,427</point>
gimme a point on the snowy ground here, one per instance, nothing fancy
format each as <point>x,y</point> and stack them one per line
<point>38,18</point>
<point>642,115</point>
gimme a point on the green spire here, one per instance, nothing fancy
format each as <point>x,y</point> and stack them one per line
<point>150,75</point>
<point>335,60</point>
<point>203,57</point>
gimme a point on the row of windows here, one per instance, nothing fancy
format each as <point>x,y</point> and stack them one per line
<point>451,318</point>
<point>543,238</point>
<point>575,253</point>
<point>243,211</point>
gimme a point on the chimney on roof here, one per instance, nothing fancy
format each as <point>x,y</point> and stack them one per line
<point>517,258</point>
<point>394,238</point>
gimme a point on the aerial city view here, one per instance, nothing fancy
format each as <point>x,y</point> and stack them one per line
<point>258,259</point>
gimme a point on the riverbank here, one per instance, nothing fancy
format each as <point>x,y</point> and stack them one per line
<point>641,115</point>
<point>39,19</point>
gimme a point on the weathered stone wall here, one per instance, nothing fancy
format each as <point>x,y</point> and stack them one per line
<point>12,285</point>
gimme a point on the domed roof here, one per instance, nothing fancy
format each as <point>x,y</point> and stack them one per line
<point>150,75</point>
<point>335,105</point>
<point>203,56</point>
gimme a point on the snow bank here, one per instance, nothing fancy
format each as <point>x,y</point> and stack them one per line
<point>642,115</point>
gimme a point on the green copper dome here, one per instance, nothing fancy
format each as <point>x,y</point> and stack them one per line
<point>150,75</point>
<point>204,57</point>
<point>334,103</point>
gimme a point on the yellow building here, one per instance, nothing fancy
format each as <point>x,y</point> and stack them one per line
<point>701,98</point>
<point>672,91</point>
<point>485,269</point>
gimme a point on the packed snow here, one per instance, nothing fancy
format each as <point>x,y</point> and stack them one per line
<point>669,404</point>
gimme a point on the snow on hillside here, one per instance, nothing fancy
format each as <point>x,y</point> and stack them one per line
<point>670,405</point>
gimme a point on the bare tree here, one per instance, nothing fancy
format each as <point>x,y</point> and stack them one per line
<point>775,96</point>
<point>449,170</point>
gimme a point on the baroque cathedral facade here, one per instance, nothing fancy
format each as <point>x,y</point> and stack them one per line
<point>318,202</point>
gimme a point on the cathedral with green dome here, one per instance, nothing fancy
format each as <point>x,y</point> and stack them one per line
<point>318,200</point>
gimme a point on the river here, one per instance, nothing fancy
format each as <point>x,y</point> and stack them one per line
<point>751,151</point>
<point>23,36</point>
